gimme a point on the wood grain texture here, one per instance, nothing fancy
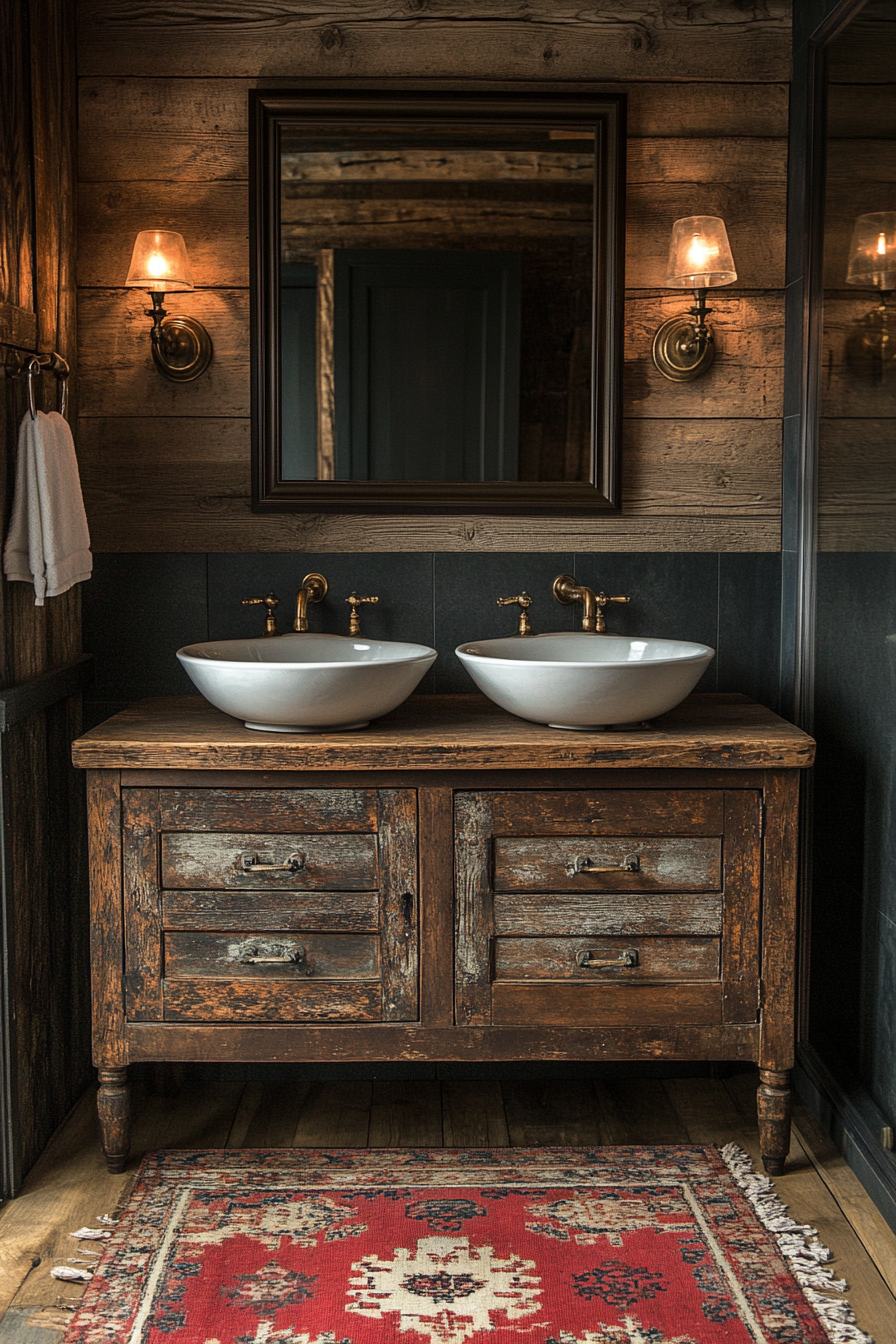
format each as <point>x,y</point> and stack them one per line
<point>473,908</point>
<point>435,810</point>
<point>215,956</point>
<point>446,732</point>
<point>558,864</point>
<point>605,1005</point>
<point>595,812</point>
<point>200,1000</point>
<point>268,810</point>
<point>595,914</point>
<point>106,918</point>
<point>399,903</point>
<point>268,911</point>
<point>142,916</point>
<point>239,860</point>
<point>398,1041</point>
<point>779,897</point>
<point>559,959</point>
<point>743,894</point>
<point>505,40</point>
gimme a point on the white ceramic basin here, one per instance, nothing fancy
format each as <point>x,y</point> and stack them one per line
<point>583,681</point>
<point>306,683</point>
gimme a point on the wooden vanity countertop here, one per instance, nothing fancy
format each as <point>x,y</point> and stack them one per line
<point>445,732</point>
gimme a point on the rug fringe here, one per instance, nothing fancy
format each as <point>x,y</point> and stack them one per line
<point>799,1244</point>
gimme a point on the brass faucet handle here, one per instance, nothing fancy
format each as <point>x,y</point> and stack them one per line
<point>601,600</point>
<point>523,601</point>
<point>315,585</point>
<point>269,603</point>
<point>355,600</point>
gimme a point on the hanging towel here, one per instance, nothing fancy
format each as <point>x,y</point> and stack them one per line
<point>48,543</point>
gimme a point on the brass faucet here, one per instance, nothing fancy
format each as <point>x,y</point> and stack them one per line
<point>269,603</point>
<point>354,622</point>
<point>314,587</point>
<point>567,590</point>
<point>524,601</point>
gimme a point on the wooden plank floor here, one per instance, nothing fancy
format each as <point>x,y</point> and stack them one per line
<point>70,1186</point>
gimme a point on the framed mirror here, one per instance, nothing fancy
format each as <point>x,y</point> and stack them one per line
<point>437,291</point>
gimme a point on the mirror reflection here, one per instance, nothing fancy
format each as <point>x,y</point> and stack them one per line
<point>436,298</point>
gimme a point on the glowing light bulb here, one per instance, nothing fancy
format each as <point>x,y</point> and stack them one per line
<point>156,265</point>
<point>700,253</point>
<point>882,245</point>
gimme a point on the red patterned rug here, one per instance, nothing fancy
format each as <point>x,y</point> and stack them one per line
<point>514,1246</point>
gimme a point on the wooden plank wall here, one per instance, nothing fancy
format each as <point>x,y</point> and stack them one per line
<point>857,433</point>
<point>47,922</point>
<point>163,143</point>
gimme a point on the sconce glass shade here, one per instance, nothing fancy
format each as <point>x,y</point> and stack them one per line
<point>159,263</point>
<point>699,254</point>
<point>872,252</point>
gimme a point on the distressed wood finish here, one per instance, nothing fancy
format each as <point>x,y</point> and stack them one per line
<point>215,956</point>
<point>557,1005</point>
<point>201,1000</point>
<point>332,911</point>
<point>595,913</point>
<point>143,947</point>
<point>216,860</point>
<point>163,120</point>
<point>560,863</point>
<point>267,810</point>
<point>561,959</point>
<point>397,836</point>
<point>725,732</point>
<point>281,974</point>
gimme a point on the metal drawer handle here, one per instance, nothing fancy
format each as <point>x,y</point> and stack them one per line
<point>582,864</point>
<point>587,960</point>
<point>252,864</point>
<point>263,953</point>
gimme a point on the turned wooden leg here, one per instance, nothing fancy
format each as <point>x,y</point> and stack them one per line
<point>113,1104</point>
<point>773,1104</point>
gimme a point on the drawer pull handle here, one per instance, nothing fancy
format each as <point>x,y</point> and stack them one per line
<point>587,960</point>
<point>266,954</point>
<point>252,864</point>
<point>582,864</point>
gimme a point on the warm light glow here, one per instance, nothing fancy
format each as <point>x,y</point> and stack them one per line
<point>159,263</point>
<point>699,254</point>
<point>872,251</point>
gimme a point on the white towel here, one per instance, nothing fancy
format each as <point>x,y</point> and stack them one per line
<point>48,543</point>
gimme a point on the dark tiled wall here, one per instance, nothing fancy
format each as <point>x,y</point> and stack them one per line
<point>140,608</point>
<point>853,977</point>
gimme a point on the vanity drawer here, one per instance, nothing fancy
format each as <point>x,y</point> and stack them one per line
<point>248,860</point>
<point>606,960</point>
<point>608,863</point>
<point>257,977</point>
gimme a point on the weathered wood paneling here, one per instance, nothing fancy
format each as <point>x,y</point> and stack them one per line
<point>163,135</point>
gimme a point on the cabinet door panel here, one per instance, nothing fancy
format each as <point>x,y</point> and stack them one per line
<point>682,892</point>
<point>245,1001</point>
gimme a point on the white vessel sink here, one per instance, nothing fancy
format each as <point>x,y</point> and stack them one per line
<point>585,681</point>
<point>306,683</point>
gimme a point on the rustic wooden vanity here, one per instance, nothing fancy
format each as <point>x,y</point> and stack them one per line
<point>452,883</point>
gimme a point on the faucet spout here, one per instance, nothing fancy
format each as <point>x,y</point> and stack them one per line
<point>567,590</point>
<point>313,589</point>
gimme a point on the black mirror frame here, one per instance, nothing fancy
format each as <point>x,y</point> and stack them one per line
<point>269,111</point>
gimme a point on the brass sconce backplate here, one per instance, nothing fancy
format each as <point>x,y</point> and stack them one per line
<point>678,353</point>
<point>183,349</point>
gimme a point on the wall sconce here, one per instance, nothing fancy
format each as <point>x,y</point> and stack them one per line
<point>872,265</point>
<point>699,259</point>
<point>181,346</point>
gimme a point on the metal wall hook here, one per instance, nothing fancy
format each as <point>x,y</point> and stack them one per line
<point>23,363</point>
